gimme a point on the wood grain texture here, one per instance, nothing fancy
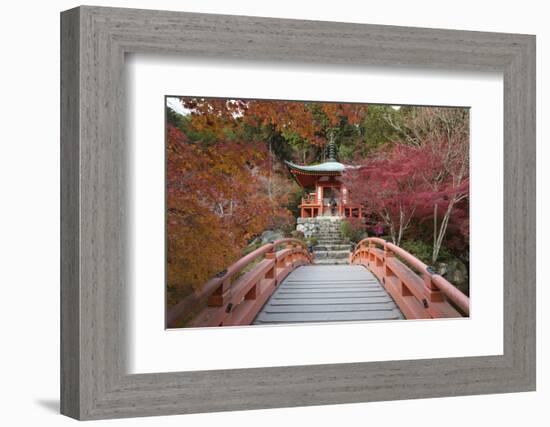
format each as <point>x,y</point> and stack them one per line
<point>70,313</point>
<point>95,237</point>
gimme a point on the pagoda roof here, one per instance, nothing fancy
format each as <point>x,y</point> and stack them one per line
<point>330,167</point>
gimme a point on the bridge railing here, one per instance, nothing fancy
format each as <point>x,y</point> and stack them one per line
<point>419,292</point>
<point>235,296</point>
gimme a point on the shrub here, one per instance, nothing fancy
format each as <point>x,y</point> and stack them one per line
<point>423,250</point>
<point>312,241</point>
<point>345,230</point>
<point>288,228</point>
<point>297,234</point>
<point>353,230</point>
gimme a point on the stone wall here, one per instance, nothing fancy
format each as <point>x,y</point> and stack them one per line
<point>315,227</point>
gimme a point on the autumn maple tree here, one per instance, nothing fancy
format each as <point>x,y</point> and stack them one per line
<point>309,120</point>
<point>424,174</point>
<point>387,186</point>
<point>215,204</point>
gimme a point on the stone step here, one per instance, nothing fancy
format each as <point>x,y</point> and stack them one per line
<point>332,247</point>
<point>331,254</point>
<point>331,261</point>
<point>322,242</point>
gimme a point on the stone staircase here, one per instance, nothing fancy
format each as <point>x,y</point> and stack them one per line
<point>331,248</point>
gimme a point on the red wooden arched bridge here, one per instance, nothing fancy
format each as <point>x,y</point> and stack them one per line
<point>280,283</point>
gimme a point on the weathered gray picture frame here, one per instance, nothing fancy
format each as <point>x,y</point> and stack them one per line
<point>94,382</point>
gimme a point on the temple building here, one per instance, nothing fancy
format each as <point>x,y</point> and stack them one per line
<point>326,195</point>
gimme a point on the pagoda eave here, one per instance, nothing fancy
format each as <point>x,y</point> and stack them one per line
<point>308,176</point>
<point>309,179</point>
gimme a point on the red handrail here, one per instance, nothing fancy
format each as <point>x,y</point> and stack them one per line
<point>216,289</point>
<point>310,199</point>
<point>403,283</point>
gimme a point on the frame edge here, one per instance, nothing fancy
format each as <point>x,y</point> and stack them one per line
<point>70,387</point>
<point>81,397</point>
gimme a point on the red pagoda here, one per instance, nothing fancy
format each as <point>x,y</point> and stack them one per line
<point>326,194</point>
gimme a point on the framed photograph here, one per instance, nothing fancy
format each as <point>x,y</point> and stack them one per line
<point>295,236</point>
<point>261,213</point>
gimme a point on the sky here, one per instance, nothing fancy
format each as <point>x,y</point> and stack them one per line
<point>175,105</point>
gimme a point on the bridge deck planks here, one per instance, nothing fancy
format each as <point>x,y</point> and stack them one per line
<point>328,293</point>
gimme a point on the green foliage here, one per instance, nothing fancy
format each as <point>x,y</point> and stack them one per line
<point>353,230</point>
<point>312,241</point>
<point>357,142</point>
<point>297,235</point>
<point>345,230</point>
<point>376,129</point>
<point>294,200</point>
<point>288,227</point>
<point>423,250</point>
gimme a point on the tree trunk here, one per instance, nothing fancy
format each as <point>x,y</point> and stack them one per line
<point>440,234</point>
<point>434,252</point>
<point>269,177</point>
<point>400,234</point>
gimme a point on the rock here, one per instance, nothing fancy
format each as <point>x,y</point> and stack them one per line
<point>307,226</point>
<point>455,272</point>
<point>271,235</point>
<point>266,237</point>
<point>255,241</point>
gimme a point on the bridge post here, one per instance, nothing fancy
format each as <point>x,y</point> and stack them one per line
<point>252,294</point>
<point>371,246</point>
<point>219,296</point>
<point>432,291</point>
<point>281,262</point>
<point>387,254</point>
<point>271,273</point>
<point>290,259</point>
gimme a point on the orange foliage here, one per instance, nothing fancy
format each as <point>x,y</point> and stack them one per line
<point>215,204</point>
<point>218,115</point>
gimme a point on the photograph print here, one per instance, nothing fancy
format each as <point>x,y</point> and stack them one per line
<point>286,212</point>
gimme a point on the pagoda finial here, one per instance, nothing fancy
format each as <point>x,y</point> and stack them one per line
<point>331,148</point>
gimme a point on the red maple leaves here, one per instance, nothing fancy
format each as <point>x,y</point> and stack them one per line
<point>423,177</point>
